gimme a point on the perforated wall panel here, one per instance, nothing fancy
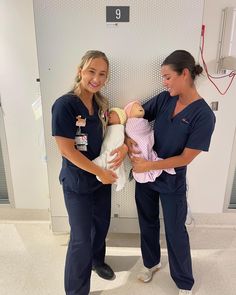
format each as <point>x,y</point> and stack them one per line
<point>66,29</point>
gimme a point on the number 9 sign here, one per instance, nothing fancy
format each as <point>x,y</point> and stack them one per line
<point>116,14</point>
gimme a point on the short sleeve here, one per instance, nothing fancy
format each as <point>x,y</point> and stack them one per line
<point>201,133</point>
<point>63,119</point>
<point>154,106</point>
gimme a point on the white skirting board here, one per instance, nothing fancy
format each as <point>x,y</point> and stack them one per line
<point>130,225</point>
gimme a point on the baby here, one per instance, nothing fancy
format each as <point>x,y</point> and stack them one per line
<point>141,132</point>
<point>114,138</point>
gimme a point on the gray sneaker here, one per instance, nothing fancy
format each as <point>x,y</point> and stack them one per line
<point>147,273</point>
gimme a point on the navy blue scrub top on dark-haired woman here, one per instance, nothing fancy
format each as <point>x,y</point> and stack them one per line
<point>191,128</point>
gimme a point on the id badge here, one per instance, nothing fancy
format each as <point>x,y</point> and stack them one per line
<point>81,141</point>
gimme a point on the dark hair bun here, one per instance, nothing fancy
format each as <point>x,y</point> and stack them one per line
<point>198,69</point>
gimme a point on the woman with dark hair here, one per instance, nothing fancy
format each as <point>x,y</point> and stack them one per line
<point>183,126</point>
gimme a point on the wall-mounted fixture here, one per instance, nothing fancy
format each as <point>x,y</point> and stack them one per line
<point>227,42</point>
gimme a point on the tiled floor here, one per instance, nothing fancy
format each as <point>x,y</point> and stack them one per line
<point>32,262</point>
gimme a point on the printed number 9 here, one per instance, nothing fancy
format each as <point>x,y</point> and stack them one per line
<point>118,13</point>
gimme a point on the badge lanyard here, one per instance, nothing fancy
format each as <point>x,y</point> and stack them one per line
<point>81,139</point>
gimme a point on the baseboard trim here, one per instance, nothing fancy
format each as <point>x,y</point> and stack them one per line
<point>59,224</point>
<point>130,225</point>
<point>12,214</point>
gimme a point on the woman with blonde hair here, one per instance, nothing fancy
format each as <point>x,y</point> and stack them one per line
<point>78,124</point>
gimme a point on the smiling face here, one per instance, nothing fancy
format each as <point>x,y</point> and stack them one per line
<point>173,81</point>
<point>93,75</point>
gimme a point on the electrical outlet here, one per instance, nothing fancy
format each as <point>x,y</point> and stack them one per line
<point>214,105</point>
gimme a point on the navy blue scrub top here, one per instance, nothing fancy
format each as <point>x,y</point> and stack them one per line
<point>64,112</point>
<point>191,128</point>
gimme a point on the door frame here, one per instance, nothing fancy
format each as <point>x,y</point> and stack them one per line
<point>230,178</point>
<point>6,161</point>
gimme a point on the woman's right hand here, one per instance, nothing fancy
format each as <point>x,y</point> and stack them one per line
<point>107,176</point>
<point>132,146</point>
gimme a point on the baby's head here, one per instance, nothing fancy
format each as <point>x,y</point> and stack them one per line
<point>134,109</point>
<point>116,116</point>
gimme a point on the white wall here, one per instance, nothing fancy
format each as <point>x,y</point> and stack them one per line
<point>208,173</point>
<point>19,90</point>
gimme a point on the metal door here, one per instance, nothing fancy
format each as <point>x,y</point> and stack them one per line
<point>6,191</point>
<point>66,29</point>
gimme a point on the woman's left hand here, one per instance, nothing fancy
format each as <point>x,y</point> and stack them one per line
<point>140,165</point>
<point>121,153</point>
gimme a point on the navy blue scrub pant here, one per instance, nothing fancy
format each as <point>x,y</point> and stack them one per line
<point>174,208</point>
<point>89,218</point>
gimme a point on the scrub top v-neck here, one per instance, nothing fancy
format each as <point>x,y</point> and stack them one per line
<point>65,111</point>
<point>190,128</point>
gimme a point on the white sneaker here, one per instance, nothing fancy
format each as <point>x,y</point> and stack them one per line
<point>185,292</point>
<point>147,273</point>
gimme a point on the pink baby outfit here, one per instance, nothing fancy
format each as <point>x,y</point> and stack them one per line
<point>141,132</point>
